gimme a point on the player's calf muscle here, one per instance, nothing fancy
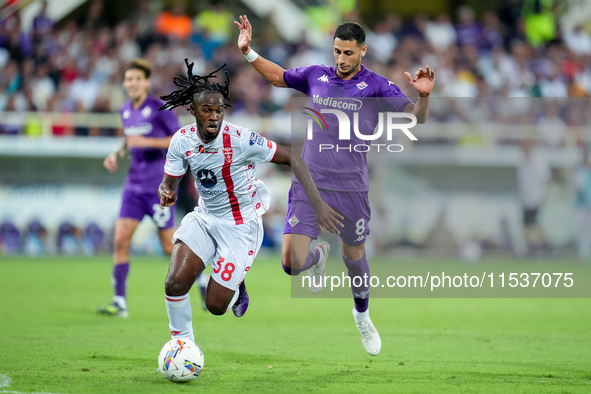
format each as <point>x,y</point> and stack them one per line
<point>218,298</point>
<point>215,307</point>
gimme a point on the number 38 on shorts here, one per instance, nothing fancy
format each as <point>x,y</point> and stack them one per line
<point>230,249</point>
<point>226,269</point>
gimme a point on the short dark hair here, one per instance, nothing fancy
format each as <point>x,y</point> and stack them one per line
<point>349,31</point>
<point>142,65</point>
<point>194,87</point>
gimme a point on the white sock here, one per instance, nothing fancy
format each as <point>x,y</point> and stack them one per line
<point>360,316</point>
<point>180,316</point>
<point>121,301</point>
<point>234,299</point>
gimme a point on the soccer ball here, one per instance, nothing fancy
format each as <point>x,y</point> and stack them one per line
<point>180,360</point>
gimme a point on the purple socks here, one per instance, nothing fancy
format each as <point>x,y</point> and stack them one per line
<point>120,272</point>
<point>359,268</point>
<point>313,257</point>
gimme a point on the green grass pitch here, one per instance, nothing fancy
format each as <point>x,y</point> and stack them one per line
<point>52,341</point>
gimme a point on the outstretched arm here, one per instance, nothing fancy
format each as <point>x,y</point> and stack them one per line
<point>325,215</point>
<point>423,83</point>
<point>271,71</point>
<point>166,190</point>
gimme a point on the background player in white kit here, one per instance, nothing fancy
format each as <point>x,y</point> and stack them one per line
<point>226,228</point>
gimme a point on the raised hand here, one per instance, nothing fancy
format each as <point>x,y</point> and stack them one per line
<point>423,81</point>
<point>245,34</point>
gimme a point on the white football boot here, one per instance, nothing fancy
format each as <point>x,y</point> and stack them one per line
<point>370,339</point>
<point>316,272</point>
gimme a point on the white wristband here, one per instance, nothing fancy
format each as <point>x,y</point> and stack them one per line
<point>251,55</point>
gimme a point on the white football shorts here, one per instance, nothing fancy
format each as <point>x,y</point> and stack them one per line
<point>232,247</point>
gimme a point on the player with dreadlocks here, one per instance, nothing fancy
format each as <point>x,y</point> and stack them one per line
<point>226,227</point>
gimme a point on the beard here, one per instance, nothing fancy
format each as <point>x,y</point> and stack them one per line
<point>352,68</point>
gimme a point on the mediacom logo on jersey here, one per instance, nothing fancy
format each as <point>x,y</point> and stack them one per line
<point>386,120</point>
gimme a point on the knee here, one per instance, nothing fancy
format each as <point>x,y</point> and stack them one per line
<point>353,253</point>
<point>121,242</point>
<point>356,262</point>
<point>174,286</point>
<point>349,256</point>
<point>215,307</point>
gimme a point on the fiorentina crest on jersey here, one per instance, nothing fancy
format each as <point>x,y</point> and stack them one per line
<point>228,153</point>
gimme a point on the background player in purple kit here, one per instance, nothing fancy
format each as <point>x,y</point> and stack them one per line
<point>148,133</point>
<point>341,176</point>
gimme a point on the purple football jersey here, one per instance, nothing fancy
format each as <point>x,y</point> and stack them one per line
<point>147,164</point>
<point>342,170</point>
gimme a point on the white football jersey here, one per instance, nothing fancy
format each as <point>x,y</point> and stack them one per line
<point>224,170</point>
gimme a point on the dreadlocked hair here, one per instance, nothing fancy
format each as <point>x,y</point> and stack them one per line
<point>194,85</point>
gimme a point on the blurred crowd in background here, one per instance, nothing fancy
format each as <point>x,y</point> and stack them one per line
<point>76,64</point>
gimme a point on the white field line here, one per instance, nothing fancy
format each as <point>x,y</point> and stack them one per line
<point>5,381</point>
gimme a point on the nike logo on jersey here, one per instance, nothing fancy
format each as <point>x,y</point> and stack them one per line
<point>323,78</point>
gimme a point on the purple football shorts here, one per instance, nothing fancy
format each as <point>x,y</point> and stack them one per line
<point>136,205</point>
<point>354,206</point>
